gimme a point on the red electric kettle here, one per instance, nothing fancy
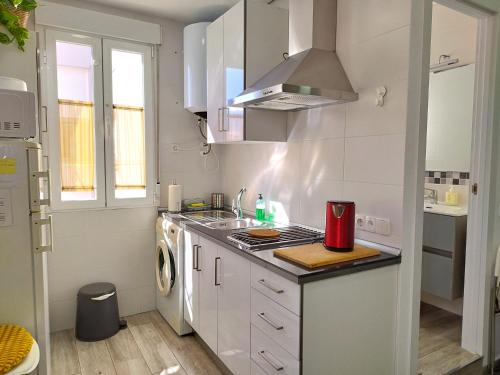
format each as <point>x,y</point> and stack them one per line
<point>339,230</point>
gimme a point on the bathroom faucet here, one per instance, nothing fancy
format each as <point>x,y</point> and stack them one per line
<point>430,195</point>
<point>236,208</point>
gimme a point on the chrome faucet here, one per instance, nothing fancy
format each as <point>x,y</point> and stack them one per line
<point>430,195</point>
<point>236,208</point>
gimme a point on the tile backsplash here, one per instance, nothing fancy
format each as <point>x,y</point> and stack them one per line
<point>447,177</point>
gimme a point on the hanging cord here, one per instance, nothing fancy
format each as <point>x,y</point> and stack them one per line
<point>208,146</point>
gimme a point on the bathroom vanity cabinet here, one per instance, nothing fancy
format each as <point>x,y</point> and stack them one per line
<point>443,257</point>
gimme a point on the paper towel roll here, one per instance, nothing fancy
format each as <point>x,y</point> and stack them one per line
<point>174,198</point>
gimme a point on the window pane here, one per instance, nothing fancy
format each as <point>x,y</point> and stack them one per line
<point>128,124</point>
<point>75,89</point>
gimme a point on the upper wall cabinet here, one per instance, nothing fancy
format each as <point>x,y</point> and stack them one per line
<point>242,45</point>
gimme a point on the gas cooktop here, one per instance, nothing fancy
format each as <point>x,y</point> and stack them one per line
<point>289,236</point>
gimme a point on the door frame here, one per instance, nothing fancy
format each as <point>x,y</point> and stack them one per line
<point>479,268</point>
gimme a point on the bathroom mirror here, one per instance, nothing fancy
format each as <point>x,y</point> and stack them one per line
<point>449,122</point>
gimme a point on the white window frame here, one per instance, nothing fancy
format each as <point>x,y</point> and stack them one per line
<point>103,120</point>
<point>51,36</point>
<point>149,131</point>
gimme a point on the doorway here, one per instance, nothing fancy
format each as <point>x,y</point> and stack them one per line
<point>479,249</point>
<point>447,188</point>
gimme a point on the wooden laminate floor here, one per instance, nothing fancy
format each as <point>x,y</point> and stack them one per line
<point>148,346</point>
<point>439,344</point>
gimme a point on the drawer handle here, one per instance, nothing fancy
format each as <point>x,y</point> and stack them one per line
<point>275,290</point>
<point>275,364</point>
<point>270,322</point>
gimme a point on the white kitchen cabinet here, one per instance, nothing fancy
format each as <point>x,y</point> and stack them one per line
<point>191,279</point>
<point>215,69</point>
<point>208,291</point>
<point>234,311</point>
<point>243,45</point>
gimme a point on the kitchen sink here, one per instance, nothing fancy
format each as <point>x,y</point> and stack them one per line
<point>234,224</point>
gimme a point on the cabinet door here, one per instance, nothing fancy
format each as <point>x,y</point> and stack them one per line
<point>208,293</point>
<point>215,81</point>
<point>234,311</point>
<point>191,277</point>
<point>234,71</point>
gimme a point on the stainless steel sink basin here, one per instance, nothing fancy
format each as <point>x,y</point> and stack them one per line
<point>234,224</point>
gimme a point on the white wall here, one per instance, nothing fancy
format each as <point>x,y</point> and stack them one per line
<point>118,245</point>
<point>353,151</point>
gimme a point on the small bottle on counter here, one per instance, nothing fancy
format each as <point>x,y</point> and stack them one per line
<point>260,208</point>
<point>451,197</point>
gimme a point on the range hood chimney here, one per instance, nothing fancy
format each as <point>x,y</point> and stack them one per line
<point>312,76</point>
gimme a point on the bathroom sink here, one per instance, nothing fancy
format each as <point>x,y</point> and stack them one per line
<point>444,209</point>
<point>234,224</point>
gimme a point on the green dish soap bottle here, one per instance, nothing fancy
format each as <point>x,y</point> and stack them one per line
<point>260,208</point>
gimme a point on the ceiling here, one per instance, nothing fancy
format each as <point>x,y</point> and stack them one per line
<point>187,11</point>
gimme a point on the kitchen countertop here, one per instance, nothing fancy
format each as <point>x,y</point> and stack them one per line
<point>291,271</point>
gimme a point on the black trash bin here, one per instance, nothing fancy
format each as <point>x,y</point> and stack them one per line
<point>97,315</point>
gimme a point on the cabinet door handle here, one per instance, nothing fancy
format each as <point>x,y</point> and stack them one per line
<point>225,115</point>
<point>219,122</point>
<point>217,282</point>
<point>275,290</point>
<point>275,364</point>
<point>193,252</point>
<point>198,247</point>
<point>263,316</point>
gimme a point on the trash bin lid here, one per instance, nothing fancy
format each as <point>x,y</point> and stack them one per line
<point>96,289</point>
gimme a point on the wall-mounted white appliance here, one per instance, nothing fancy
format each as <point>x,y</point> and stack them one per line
<point>25,229</point>
<point>17,119</point>
<point>195,68</point>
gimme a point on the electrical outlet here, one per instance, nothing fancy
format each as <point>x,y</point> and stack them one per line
<point>360,222</point>
<point>383,226</point>
<point>370,224</point>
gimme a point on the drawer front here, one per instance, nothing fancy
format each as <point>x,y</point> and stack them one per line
<point>437,275</point>
<point>270,357</point>
<point>283,291</point>
<point>255,369</point>
<point>439,231</point>
<point>280,324</point>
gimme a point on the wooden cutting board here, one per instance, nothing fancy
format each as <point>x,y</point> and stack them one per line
<point>315,255</point>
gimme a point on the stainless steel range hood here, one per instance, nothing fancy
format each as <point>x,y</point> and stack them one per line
<point>313,75</point>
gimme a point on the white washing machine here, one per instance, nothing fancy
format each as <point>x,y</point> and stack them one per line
<point>170,274</point>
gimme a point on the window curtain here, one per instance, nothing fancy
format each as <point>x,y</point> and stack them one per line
<point>129,147</point>
<point>76,123</point>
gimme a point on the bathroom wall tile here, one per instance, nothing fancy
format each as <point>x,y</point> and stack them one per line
<point>364,117</point>
<point>376,159</point>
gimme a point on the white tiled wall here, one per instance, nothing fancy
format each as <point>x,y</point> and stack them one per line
<point>102,245</point>
<point>353,151</point>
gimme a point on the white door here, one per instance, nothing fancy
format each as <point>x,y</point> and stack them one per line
<point>234,312</point>
<point>234,71</point>
<point>208,261</point>
<point>191,280</point>
<point>215,81</point>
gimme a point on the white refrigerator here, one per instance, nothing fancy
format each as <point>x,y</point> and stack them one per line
<point>25,228</point>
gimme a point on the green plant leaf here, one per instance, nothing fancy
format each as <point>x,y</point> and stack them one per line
<point>4,39</point>
<point>15,3</point>
<point>28,5</point>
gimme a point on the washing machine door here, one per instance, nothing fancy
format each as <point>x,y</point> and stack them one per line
<point>165,268</point>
